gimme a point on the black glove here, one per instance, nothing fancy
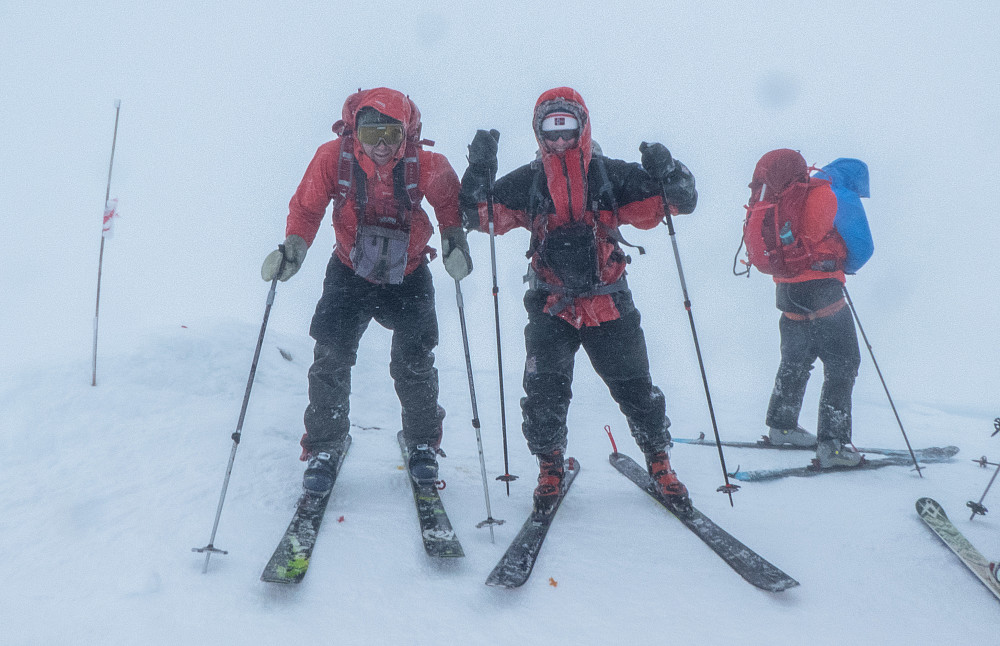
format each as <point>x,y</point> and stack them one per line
<point>483,151</point>
<point>679,189</point>
<point>657,161</point>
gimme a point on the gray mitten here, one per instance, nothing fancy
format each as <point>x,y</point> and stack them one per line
<point>295,253</point>
<point>455,252</point>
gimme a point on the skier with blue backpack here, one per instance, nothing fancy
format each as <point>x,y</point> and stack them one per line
<point>808,233</point>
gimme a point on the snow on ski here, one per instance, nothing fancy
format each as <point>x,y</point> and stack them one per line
<point>929,454</point>
<point>439,538</point>
<point>291,558</point>
<point>762,475</point>
<point>748,564</point>
<point>515,566</point>
<point>933,514</point>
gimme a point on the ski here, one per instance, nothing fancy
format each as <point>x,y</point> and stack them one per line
<point>933,514</point>
<point>813,469</point>
<point>515,566</point>
<point>291,558</point>
<point>439,538</point>
<point>748,564</point>
<point>929,454</point>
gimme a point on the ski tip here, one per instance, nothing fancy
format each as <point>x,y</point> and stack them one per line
<point>926,505</point>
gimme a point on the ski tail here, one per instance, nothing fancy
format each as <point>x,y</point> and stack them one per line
<point>514,568</point>
<point>754,568</point>
<point>290,560</point>
<point>440,540</point>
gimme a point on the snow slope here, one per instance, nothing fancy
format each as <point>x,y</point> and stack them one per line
<point>104,490</point>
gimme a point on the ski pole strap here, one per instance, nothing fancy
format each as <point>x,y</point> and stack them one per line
<point>829,310</point>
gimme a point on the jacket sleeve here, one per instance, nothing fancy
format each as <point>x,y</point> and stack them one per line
<point>510,200</point>
<point>640,197</point>
<point>441,189</point>
<point>308,206</point>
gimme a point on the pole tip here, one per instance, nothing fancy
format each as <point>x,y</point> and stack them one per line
<point>118,103</point>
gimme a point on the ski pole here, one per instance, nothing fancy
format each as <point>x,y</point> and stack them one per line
<point>506,477</point>
<point>100,256</point>
<point>728,488</point>
<point>977,507</point>
<point>882,379</point>
<point>210,548</point>
<point>490,521</point>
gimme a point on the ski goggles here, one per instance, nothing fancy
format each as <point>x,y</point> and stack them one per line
<point>390,133</point>
<point>555,135</point>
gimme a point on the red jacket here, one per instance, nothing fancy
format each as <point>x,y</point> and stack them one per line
<point>438,182</point>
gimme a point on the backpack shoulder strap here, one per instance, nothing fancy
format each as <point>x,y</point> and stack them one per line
<point>346,164</point>
<point>608,190</point>
<point>535,200</point>
<point>406,177</point>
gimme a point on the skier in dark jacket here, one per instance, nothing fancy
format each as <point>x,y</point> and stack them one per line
<point>573,201</point>
<point>377,175</point>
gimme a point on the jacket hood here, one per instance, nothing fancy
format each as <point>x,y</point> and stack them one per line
<point>387,101</point>
<point>563,99</point>
<point>566,172</point>
<point>849,173</point>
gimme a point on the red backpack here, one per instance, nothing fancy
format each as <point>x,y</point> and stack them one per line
<point>775,214</point>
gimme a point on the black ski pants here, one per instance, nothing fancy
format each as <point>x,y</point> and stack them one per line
<point>617,351</point>
<point>345,309</point>
<point>833,340</point>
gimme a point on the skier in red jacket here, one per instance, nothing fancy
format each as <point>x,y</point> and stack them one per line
<point>572,200</point>
<point>376,174</point>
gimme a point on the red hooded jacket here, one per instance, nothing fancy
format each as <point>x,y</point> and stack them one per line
<point>438,182</point>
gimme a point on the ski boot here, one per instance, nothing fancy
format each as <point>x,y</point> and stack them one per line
<point>667,484</point>
<point>550,476</point>
<point>833,453</point>
<point>423,464</point>
<point>796,437</point>
<point>321,472</point>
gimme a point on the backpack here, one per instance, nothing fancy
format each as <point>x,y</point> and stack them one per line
<point>570,251</point>
<point>381,247</point>
<point>775,218</point>
<point>849,180</point>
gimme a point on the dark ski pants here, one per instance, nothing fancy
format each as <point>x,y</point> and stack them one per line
<point>617,351</point>
<point>833,340</point>
<point>345,309</point>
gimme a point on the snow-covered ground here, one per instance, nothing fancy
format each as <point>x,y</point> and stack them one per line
<point>104,490</point>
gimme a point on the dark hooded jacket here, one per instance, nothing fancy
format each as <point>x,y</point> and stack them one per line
<point>576,186</point>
